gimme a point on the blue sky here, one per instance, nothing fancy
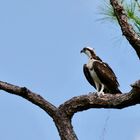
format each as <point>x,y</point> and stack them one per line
<point>40,49</point>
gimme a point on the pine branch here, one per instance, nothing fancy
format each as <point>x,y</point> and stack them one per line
<point>126,28</point>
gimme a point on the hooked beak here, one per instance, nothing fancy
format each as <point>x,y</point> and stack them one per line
<point>81,51</point>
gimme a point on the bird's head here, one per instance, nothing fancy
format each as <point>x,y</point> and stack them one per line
<point>89,52</point>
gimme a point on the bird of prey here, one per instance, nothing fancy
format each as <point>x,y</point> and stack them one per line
<point>99,74</point>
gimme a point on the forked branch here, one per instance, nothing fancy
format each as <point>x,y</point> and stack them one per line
<point>63,114</point>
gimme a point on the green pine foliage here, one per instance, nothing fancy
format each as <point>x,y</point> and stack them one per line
<point>132,9</point>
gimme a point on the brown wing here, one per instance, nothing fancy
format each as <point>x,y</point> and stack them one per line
<point>115,78</point>
<point>106,76</point>
<point>88,76</point>
<point>90,79</point>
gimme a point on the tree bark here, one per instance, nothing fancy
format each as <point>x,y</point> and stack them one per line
<point>116,101</point>
<point>126,28</point>
<point>64,126</point>
<point>63,114</point>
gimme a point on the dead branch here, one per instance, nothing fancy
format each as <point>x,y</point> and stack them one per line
<point>63,114</point>
<point>116,101</point>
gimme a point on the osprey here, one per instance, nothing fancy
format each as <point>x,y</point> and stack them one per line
<point>99,74</point>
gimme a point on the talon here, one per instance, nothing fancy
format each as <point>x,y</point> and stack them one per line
<point>100,93</point>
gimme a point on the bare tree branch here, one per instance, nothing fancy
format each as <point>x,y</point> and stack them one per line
<point>62,122</point>
<point>30,96</point>
<point>126,28</point>
<point>63,114</point>
<point>117,101</point>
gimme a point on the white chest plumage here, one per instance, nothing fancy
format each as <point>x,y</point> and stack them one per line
<point>92,72</point>
<point>99,85</point>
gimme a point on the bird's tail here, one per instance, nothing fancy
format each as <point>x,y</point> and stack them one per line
<point>117,91</point>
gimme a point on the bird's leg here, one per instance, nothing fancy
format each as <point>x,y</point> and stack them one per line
<point>101,91</point>
<point>97,86</point>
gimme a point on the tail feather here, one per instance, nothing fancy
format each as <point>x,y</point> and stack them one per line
<point>116,91</point>
<point>112,91</point>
